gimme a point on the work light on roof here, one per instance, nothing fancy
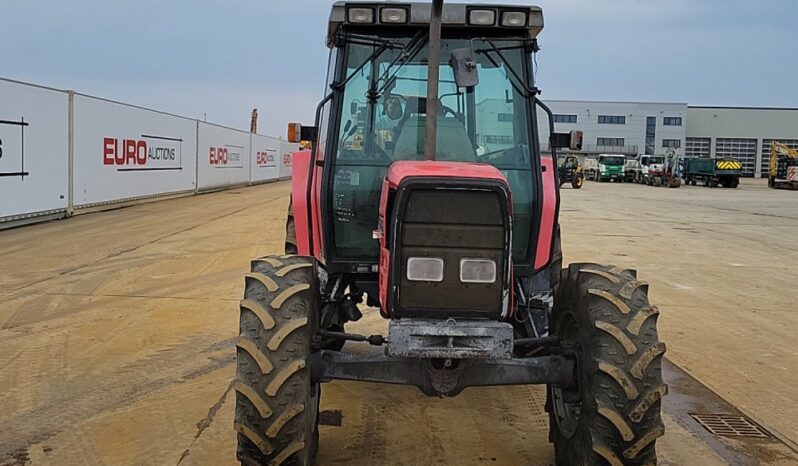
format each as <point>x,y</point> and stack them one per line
<point>361,15</point>
<point>482,17</point>
<point>514,19</point>
<point>393,15</point>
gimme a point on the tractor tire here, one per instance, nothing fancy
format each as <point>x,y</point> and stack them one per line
<point>734,183</point>
<point>277,405</point>
<point>290,230</point>
<point>612,417</point>
<point>578,182</point>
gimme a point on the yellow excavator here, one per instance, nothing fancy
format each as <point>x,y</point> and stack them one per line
<point>783,167</point>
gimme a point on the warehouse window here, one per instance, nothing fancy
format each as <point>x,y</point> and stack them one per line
<point>672,121</point>
<point>617,142</point>
<point>672,143</point>
<point>492,139</point>
<point>611,120</point>
<point>565,118</point>
<point>506,117</point>
<point>651,135</point>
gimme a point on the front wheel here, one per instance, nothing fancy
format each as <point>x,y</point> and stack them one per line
<point>277,405</point>
<point>578,182</point>
<point>612,416</point>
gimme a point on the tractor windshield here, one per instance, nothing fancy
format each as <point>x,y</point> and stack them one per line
<point>383,119</point>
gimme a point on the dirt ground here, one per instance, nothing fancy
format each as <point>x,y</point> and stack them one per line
<point>116,331</point>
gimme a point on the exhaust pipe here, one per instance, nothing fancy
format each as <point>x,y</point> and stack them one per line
<point>434,64</point>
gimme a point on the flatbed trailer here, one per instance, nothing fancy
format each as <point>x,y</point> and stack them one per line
<point>713,173</point>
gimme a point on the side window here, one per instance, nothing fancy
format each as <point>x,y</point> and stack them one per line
<point>323,123</point>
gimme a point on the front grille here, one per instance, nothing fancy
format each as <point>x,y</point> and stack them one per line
<point>453,224</point>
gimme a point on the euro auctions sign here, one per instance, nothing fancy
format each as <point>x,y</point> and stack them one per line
<point>229,156</point>
<point>146,153</point>
<point>267,158</point>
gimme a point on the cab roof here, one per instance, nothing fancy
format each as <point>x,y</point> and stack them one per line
<point>455,15</point>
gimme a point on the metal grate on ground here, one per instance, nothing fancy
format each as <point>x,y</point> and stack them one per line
<point>730,425</point>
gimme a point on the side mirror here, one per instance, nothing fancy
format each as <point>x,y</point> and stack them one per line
<point>572,140</point>
<point>465,68</point>
<point>577,137</point>
<point>298,133</point>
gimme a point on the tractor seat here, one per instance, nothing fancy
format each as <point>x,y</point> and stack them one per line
<point>453,144</point>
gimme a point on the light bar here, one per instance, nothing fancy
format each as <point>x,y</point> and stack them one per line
<point>393,15</point>
<point>514,19</point>
<point>455,15</point>
<point>482,17</point>
<point>361,15</point>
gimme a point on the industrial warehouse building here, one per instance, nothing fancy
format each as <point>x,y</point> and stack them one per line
<point>635,128</point>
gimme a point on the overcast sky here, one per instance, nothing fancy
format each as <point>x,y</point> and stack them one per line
<point>223,58</point>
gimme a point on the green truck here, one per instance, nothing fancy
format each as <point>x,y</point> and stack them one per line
<point>605,168</point>
<point>713,173</point>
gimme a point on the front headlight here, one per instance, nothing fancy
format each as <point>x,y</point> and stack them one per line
<point>425,269</point>
<point>477,271</point>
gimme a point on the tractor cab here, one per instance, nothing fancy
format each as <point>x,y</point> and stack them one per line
<point>379,110</point>
<point>431,192</point>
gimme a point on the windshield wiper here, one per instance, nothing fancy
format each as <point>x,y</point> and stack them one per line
<point>521,86</point>
<point>408,53</point>
<point>381,44</point>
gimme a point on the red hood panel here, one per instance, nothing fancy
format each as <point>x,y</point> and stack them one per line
<point>405,169</point>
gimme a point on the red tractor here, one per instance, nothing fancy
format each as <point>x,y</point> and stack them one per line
<point>425,194</point>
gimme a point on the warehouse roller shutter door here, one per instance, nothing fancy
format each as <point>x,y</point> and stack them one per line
<point>698,147</point>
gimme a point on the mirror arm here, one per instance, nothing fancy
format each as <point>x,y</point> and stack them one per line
<point>551,126</point>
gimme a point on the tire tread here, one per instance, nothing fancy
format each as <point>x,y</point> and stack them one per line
<point>272,381</point>
<point>618,324</point>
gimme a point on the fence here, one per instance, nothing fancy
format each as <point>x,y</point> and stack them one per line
<point>62,153</point>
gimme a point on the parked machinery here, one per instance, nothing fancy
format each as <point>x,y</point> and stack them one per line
<point>667,173</point>
<point>631,171</point>
<point>570,171</point>
<point>607,167</point>
<point>649,164</point>
<point>783,167</point>
<point>725,172</point>
<point>460,251</point>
